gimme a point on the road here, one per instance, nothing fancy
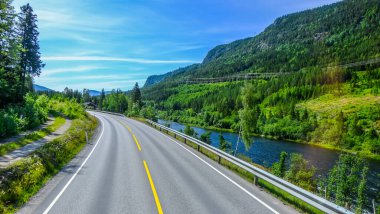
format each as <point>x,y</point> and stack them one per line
<point>133,168</point>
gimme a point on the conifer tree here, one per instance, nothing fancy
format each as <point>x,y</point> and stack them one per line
<point>30,61</point>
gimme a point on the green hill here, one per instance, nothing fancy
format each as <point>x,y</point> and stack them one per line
<point>339,33</point>
<point>317,102</point>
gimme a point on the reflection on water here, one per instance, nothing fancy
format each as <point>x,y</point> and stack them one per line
<point>265,152</point>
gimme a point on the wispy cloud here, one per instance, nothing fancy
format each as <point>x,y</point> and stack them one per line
<point>119,59</point>
<point>107,85</point>
<point>48,72</point>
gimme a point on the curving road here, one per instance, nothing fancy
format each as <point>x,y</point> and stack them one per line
<point>133,168</point>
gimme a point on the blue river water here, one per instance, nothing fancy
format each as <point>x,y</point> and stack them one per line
<point>265,152</point>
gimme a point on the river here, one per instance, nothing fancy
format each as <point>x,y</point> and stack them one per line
<point>265,152</point>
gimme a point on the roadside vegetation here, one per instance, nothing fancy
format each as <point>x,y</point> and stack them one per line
<point>23,179</point>
<point>32,137</point>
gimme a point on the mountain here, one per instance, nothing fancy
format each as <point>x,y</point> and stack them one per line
<point>151,80</point>
<point>94,93</point>
<point>343,32</point>
<point>38,88</point>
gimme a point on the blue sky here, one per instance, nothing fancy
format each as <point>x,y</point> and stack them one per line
<point>114,43</point>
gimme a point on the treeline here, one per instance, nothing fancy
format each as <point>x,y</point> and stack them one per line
<point>19,53</point>
<point>128,103</point>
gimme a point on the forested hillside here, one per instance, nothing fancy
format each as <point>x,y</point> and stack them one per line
<point>317,102</point>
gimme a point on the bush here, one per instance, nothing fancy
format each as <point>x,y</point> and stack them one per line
<point>33,113</point>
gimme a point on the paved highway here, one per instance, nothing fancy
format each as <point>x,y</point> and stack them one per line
<point>133,168</point>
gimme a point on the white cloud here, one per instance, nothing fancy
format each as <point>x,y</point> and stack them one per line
<point>119,59</point>
<point>48,72</point>
<point>107,85</point>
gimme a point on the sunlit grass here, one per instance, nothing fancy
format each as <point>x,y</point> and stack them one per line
<point>330,104</point>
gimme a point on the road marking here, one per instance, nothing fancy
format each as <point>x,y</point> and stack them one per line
<point>158,204</point>
<point>222,174</point>
<point>133,135</point>
<point>137,142</point>
<point>76,173</point>
<point>129,129</point>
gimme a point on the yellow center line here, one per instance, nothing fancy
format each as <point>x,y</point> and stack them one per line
<point>137,142</point>
<point>158,204</point>
<point>129,129</point>
<point>134,137</point>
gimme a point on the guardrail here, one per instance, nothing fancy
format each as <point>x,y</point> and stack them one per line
<point>107,112</point>
<point>306,196</point>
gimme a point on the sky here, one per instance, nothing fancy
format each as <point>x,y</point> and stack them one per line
<point>112,44</point>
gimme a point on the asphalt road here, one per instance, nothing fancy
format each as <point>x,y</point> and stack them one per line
<point>133,168</point>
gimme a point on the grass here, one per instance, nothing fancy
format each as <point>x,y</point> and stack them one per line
<point>284,196</point>
<point>30,138</point>
<point>330,104</point>
<point>23,179</point>
<point>143,120</point>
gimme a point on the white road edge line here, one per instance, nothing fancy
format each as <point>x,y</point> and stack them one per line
<point>225,176</point>
<point>76,173</point>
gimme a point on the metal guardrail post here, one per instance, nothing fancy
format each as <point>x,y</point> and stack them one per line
<point>255,180</point>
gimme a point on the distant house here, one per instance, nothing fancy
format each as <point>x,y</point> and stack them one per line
<point>90,105</point>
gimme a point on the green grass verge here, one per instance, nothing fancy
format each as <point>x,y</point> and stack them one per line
<point>30,138</point>
<point>282,195</point>
<point>23,179</point>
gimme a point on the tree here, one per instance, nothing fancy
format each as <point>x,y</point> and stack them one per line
<point>223,144</point>
<point>206,137</point>
<point>248,118</point>
<point>361,198</point>
<point>9,55</point>
<point>279,167</point>
<point>189,131</point>
<point>86,95</point>
<point>102,98</point>
<point>346,181</point>
<point>300,173</point>
<point>136,95</point>
<point>30,61</point>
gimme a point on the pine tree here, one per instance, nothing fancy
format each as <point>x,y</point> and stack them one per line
<point>136,95</point>
<point>102,98</point>
<point>30,62</point>
<point>9,50</point>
